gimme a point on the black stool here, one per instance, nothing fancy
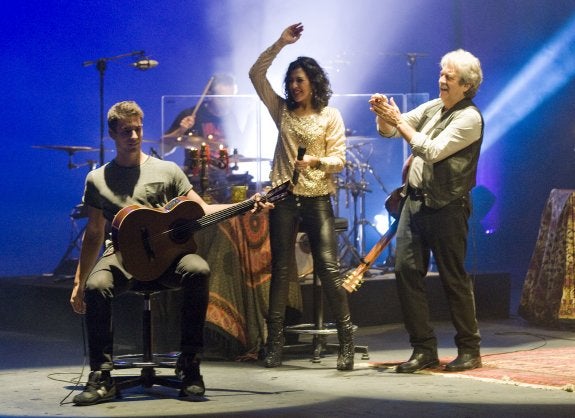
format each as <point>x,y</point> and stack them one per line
<point>147,361</point>
<point>320,330</point>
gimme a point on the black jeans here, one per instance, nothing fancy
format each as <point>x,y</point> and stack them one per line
<point>108,280</point>
<point>314,215</point>
<point>443,232</point>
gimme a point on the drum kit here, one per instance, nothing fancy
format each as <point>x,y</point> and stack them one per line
<point>213,174</point>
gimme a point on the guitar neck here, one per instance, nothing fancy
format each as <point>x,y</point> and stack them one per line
<point>383,242</point>
<point>222,215</point>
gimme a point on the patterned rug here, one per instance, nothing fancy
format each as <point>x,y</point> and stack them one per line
<point>552,368</point>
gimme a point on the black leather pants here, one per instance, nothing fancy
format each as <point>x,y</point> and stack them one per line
<point>314,215</point>
<point>108,280</point>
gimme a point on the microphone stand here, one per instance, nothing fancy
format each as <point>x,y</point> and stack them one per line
<point>101,64</point>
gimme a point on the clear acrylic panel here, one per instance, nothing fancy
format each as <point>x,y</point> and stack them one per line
<point>372,171</point>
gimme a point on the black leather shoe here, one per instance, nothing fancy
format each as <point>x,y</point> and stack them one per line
<point>418,361</point>
<point>188,370</point>
<point>464,362</point>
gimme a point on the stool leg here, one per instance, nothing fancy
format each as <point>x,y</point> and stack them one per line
<point>147,329</point>
<point>148,365</point>
<point>318,339</point>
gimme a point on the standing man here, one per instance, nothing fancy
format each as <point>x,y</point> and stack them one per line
<point>445,136</point>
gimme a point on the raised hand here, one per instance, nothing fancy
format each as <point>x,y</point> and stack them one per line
<point>291,34</point>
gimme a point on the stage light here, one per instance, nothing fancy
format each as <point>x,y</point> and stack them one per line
<point>381,222</point>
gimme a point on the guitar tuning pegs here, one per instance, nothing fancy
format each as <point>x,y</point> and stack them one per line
<point>352,282</point>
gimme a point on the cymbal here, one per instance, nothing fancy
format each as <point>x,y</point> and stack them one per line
<point>151,141</point>
<point>70,149</point>
<point>190,141</point>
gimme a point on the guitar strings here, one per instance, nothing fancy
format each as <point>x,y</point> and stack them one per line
<point>199,223</point>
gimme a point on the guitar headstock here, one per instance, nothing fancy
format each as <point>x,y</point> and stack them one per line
<point>352,281</point>
<point>277,193</point>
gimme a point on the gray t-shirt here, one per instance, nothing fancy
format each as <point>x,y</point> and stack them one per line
<point>153,184</point>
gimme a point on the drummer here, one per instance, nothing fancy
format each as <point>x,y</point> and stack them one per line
<point>213,122</point>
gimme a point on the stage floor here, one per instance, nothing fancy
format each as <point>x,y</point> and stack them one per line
<point>37,374</point>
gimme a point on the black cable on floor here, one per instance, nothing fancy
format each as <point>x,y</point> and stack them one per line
<point>76,382</point>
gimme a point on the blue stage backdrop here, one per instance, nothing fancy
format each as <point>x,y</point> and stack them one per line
<point>52,99</point>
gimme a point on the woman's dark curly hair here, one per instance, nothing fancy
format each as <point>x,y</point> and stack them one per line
<point>320,87</point>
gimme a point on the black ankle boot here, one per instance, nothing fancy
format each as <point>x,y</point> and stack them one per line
<point>346,350</point>
<point>275,345</point>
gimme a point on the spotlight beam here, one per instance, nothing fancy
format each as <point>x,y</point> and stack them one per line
<point>551,68</point>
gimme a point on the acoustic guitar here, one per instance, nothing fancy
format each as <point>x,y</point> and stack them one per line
<point>149,240</point>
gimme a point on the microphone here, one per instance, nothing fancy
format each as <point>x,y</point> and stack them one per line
<point>300,154</point>
<point>145,64</point>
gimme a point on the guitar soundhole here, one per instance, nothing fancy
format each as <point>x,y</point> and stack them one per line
<point>180,231</point>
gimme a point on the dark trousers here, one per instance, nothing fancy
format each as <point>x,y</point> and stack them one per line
<point>108,280</point>
<point>314,215</point>
<point>443,232</point>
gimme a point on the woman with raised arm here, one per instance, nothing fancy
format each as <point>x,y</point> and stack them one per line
<point>310,149</point>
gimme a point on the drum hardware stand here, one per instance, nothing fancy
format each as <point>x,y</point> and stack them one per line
<point>358,193</point>
<point>346,246</point>
<point>204,161</point>
<point>389,263</point>
<point>359,221</point>
<point>66,267</point>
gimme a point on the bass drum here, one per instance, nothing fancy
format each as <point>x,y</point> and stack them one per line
<point>303,256</point>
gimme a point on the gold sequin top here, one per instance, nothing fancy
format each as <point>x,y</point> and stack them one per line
<point>322,134</point>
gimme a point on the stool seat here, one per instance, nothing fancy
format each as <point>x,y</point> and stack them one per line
<point>340,224</point>
<point>309,329</point>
